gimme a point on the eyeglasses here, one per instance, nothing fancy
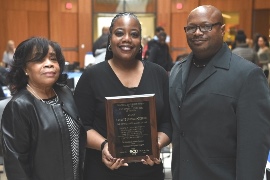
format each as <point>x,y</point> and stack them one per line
<point>203,28</point>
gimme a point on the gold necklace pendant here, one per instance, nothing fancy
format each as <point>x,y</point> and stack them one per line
<point>198,65</point>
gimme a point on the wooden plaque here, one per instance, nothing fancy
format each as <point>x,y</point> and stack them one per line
<point>132,127</point>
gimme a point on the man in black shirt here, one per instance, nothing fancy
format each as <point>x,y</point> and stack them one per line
<point>101,41</point>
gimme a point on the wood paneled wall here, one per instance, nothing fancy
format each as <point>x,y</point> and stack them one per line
<point>178,42</point>
<point>21,19</point>
<point>261,23</point>
<point>85,25</point>
<point>261,17</point>
<point>261,4</point>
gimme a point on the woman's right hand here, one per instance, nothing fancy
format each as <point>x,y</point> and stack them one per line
<point>109,161</point>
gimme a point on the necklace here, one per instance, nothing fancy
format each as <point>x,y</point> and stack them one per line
<point>36,95</point>
<point>198,65</point>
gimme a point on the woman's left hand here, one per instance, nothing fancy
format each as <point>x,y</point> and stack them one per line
<point>150,162</point>
<point>162,139</point>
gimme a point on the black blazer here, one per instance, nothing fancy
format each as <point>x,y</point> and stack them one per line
<point>221,125</point>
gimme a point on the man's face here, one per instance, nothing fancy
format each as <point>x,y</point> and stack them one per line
<point>204,44</point>
<point>162,39</point>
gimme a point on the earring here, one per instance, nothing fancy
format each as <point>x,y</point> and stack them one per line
<point>26,74</point>
<point>109,48</point>
<point>140,50</point>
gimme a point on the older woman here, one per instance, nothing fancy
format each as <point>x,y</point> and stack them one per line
<point>42,135</point>
<point>123,73</point>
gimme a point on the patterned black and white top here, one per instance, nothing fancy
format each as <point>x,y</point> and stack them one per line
<point>74,131</point>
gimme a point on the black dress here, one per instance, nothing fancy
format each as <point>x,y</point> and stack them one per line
<point>98,82</point>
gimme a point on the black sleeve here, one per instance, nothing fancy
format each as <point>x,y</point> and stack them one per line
<point>165,123</point>
<point>16,139</point>
<point>153,54</point>
<point>84,99</point>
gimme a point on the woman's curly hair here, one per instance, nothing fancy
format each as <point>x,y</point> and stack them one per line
<point>33,49</point>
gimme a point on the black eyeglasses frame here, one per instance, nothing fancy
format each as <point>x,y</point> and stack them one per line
<point>199,26</point>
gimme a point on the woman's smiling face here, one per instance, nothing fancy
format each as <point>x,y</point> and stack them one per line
<point>125,38</point>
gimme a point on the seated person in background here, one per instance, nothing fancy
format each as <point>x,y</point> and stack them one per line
<point>3,73</point>
<point>242,48</point>
<point>2,94</point>
<point>100,53</point>
<point>8,54</point>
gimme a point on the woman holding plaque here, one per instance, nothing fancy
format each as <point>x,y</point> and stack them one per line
<point>122,73</point>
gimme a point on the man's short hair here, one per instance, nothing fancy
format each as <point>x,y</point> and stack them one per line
<point>163,34</point>
<point>240,36</point>
<point>159,28</point>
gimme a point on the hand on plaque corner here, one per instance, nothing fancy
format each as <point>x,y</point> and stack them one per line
<point>111,162</point>
<point>150,162</point>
